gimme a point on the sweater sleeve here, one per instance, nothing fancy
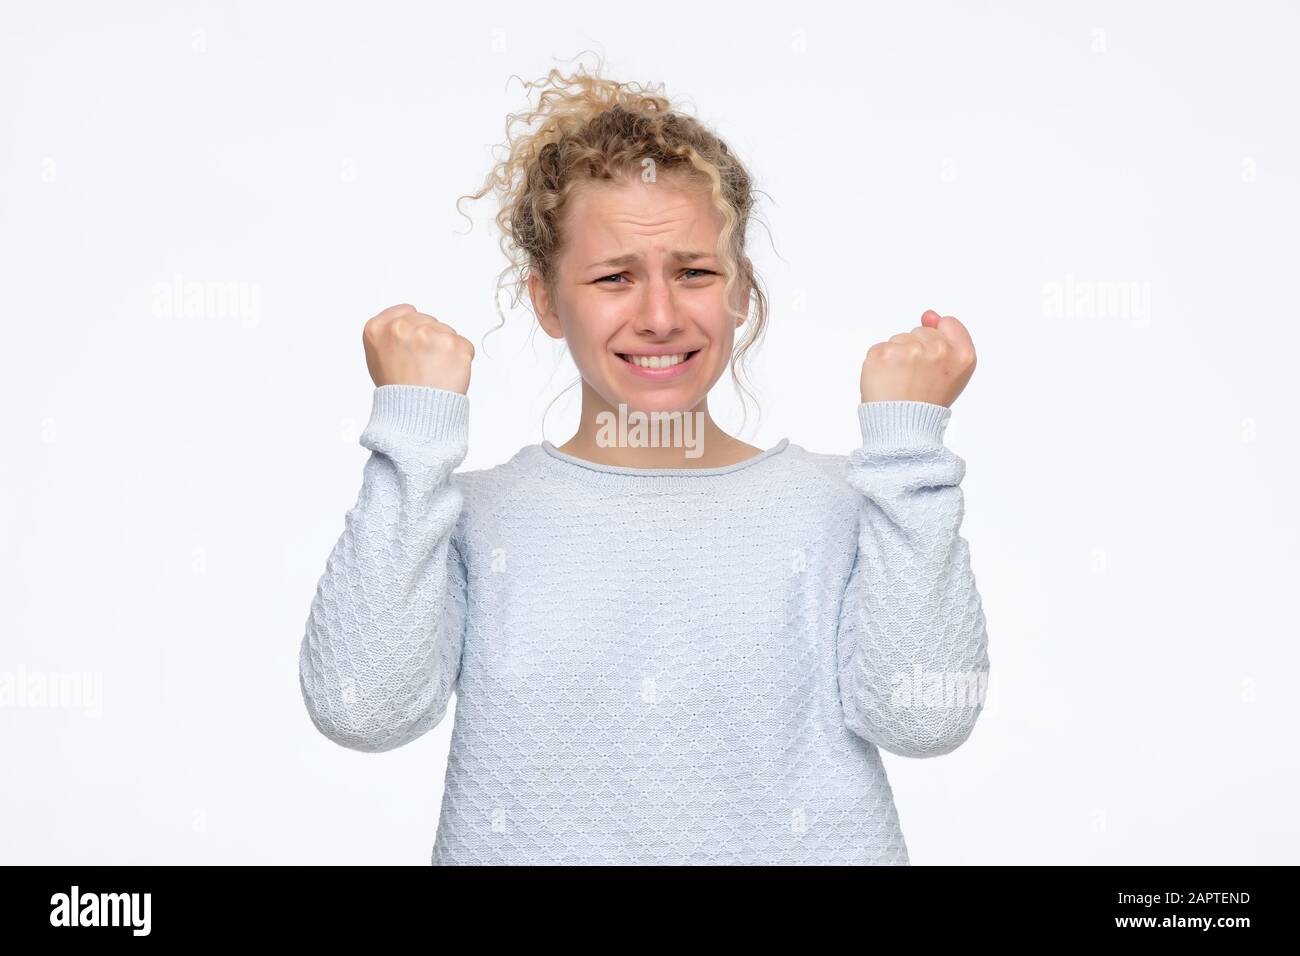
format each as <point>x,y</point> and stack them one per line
<point>911,649</point>
<point>381,652</point>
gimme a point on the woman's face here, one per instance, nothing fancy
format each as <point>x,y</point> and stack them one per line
<point>638,277</point>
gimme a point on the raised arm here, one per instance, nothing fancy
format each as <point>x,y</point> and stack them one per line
<point>381,652</point>
<point>912,647</point>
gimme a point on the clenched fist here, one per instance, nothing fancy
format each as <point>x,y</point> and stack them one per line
<point>406,347</point>
<point>932,363</point>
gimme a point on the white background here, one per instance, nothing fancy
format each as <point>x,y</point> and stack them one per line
<point>172,485</point>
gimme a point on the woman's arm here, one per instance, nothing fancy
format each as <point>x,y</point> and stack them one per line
<point>912,648</point>
<point>381,653</point>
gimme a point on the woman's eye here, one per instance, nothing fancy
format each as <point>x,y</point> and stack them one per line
<point>703,272</point>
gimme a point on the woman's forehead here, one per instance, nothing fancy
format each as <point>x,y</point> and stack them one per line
<point>604,211</point>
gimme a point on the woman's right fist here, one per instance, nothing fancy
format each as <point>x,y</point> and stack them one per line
<point>406,347</point>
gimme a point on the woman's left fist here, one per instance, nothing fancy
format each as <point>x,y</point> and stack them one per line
<point>932,363</point>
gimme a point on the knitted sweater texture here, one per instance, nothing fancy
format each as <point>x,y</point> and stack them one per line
<point>653,666</point>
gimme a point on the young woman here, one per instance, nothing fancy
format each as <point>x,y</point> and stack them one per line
<point>670,652</point>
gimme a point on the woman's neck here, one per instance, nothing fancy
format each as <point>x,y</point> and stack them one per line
<point>632,439</point>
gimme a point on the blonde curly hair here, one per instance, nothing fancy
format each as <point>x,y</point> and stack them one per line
<point>589,127</point>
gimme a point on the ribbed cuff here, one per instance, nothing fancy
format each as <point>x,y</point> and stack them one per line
<point>899,424</point>
<point>422,411</point>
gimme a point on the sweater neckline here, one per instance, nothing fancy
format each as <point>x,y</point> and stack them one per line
<point>658,477</point>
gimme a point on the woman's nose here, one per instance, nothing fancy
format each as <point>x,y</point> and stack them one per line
<point>658,312</point>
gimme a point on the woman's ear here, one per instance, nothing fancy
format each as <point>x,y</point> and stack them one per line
<point>748,291</point>
<point>543,306</point>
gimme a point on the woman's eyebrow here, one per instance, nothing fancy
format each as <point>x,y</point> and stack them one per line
<point>680,255</point>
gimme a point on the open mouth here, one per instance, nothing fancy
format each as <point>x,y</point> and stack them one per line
<point>658,361</point>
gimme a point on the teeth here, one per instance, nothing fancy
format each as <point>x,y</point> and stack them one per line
<point>656,361</point>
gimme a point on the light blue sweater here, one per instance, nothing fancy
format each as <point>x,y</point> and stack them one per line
<point>669,666</point>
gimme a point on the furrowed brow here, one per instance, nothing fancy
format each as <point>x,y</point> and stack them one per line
<point>680,255</point>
